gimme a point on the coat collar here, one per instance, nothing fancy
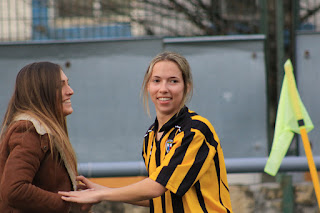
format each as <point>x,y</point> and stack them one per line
<point>40,128</point>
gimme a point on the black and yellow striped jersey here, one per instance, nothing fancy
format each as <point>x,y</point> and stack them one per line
<point>188,161</point>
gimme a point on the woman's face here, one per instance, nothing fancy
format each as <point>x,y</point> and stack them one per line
<point>166,88</point>
<point>67,92</point>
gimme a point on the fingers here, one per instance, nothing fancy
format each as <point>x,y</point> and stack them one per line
<point>73,193</point>
<point>65,193</point>
<point>85,197</point>
<point>69,199</point>
<point>85,181</point>
<point>81,187</point>
<point>69,196</point>
<point>82,179</point>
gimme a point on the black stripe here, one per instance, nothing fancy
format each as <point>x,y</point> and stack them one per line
<point>158,151</point>
<point>217,164</point>
<point>146,143</point>
<point>225,186</point>
<point>144,149</point>
<point>200,197</point>
<point>301,122</point>
<point>175,160</point>
<point>151,206</point>
<point>172,134</point>
<point>192,114</point>
<point>177,204</point>
<point>149,156</point>
<point>194,170</point>
<point>196,124</point>
<point>144,160</point>
<point>163,203</point>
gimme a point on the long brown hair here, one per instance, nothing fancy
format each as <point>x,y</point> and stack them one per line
<point>38,93</point>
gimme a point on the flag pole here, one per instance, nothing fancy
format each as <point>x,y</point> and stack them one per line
<point>312,167</point>
<point>306,143</point>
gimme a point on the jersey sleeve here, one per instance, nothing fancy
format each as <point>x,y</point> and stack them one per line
<point>185,163</point>
<point>22,164</point>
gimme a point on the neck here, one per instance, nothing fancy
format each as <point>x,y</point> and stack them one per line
<point>162,120</point>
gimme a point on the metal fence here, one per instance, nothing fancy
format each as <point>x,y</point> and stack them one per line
<point>27,20</point>
<point>309,15</point>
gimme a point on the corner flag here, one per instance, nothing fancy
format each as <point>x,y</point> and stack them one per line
<point>291,116</point>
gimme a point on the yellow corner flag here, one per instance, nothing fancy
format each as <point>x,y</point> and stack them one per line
<point>291,116</point>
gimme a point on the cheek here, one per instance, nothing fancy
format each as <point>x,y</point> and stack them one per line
<point>150,89</point>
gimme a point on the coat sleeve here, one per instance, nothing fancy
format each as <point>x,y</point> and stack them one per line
<point>22,165</point>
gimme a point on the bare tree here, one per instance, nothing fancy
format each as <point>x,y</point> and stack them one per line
<point>188,17</point>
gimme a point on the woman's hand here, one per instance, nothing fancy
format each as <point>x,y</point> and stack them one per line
<point>85,196</point>
<point>85,183</point>
<point>87,193</point>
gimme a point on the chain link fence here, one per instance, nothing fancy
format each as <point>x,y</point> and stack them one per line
<point>309,15</point>
<point>26,20</point>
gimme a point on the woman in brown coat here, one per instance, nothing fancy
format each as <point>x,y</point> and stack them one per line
<point>36,157</point>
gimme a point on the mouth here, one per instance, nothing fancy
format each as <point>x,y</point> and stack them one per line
<point>68,101</point>
<point>164,99</point>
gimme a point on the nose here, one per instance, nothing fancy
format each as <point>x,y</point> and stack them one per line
<point>163,87</point>
<point>69,90</point>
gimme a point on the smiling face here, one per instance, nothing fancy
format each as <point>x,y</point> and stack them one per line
<point>67,92</point>
<point>166,88</point>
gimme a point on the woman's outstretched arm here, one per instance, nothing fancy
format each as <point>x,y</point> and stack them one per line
<point>136,193</point>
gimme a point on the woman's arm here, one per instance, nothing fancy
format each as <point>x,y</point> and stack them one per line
<point>85,183</point>
<point>19,171</point>
<point>145,203</point>
<point>138,193</point>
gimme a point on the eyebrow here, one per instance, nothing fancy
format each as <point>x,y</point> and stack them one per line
<point>155,76</point>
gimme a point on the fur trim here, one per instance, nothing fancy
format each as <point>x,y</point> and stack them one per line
<point>41,129</point>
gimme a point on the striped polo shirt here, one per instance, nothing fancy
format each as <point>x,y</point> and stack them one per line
<point>188,161</point>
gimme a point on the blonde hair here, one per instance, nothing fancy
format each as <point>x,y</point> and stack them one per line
<point>186,75</point>
<point>38,93</point>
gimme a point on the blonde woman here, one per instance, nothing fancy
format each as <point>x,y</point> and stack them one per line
<point>181,151</point>
<point>36,157</point>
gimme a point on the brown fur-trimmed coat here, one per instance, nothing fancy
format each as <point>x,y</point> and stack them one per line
<point>29,176</point>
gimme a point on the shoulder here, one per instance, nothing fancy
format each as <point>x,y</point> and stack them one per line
<point>196,121</point>
<point>24,135</point>
<point>201,125</point>
<point>21,126</point>
<point>150,129</point>
<point>39,126</point>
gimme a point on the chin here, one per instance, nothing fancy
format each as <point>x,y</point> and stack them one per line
<point>67,112</point>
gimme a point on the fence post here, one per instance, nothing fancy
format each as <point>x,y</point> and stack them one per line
<point>287,193</point>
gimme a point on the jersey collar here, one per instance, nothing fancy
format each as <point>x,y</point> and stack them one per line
<point>174,120</point>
